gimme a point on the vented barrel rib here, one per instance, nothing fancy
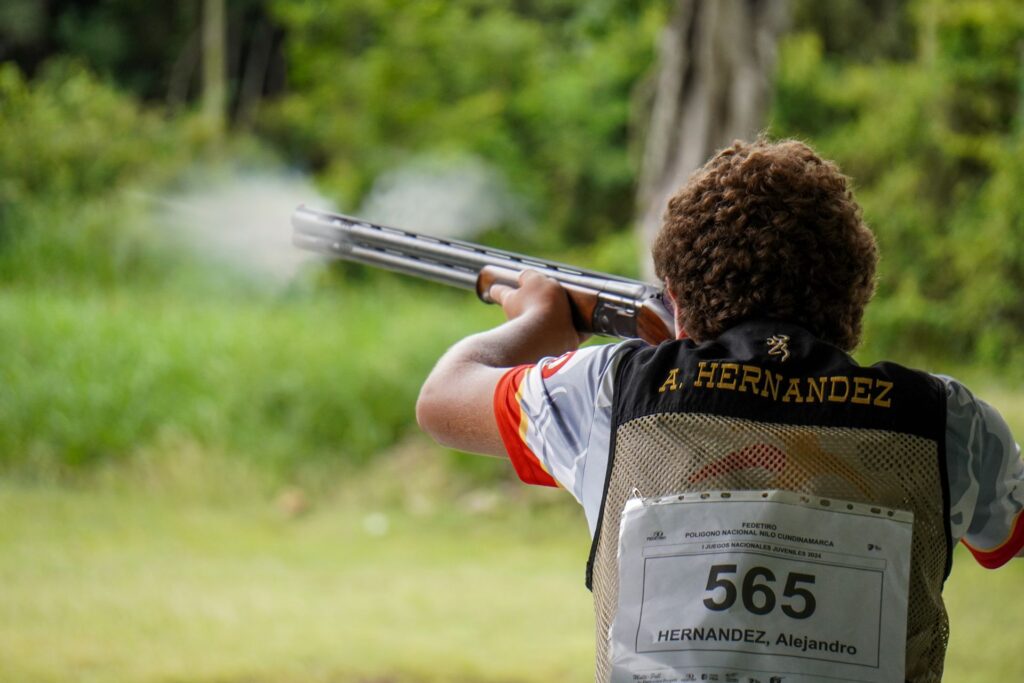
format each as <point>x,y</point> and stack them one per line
<point>605,304</point>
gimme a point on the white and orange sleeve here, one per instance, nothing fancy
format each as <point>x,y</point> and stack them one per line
<point>555,420</point>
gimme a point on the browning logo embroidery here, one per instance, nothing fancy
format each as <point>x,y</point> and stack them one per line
<point>778,346</point>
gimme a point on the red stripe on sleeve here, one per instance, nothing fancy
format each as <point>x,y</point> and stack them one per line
<point>1000,555</point>
<point>508,413</point>
<point>551,367</point>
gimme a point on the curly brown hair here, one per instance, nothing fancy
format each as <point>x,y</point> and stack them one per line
<point>772,230</point>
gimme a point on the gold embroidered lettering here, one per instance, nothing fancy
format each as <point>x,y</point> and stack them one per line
<point>793,391</point>
<point>833,396</point>
<point>771,380</point>
<point>727,378</point>
<point>880,398</point>
<point>816,387</point>
<point>777,387</point>
<point>705,375</point>
<point>670,383</point>
<point>861,390</point>
<point>751,376</point>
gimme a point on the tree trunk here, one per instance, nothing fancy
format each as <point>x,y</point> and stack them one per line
<point>254,76</point>
<point>214,66</point>
<point>714,78</point>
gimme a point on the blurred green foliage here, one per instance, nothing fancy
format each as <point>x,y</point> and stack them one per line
<point>540,89</point>
<point>283,383</point>
<point>71,144</point>
<point>932,137</point>
<point>118,338</point>
<point>69,135</point>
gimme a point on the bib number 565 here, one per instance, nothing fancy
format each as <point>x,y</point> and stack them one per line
<point>756,592</point>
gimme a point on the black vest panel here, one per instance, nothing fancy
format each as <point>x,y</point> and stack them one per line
<point>769,406</point>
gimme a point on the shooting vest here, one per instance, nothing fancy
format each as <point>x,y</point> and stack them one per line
<point>769,407</point>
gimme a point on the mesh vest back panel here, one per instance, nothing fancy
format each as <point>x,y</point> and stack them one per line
<point>664,444</point>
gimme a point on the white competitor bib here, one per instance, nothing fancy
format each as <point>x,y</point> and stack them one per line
<point>761,587</point>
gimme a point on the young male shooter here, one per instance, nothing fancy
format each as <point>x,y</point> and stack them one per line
<point>749,489</point>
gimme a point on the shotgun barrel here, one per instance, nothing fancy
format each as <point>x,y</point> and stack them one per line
<point>602,304</point>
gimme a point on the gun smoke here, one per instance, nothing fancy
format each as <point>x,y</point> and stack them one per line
<point>241,220</point>
<point>444,197</point>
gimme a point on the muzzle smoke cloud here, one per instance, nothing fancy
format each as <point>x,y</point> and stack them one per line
<point>445,197</point>
<point>243,220</point>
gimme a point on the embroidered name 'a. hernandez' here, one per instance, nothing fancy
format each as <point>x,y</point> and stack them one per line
<point>773,386</point>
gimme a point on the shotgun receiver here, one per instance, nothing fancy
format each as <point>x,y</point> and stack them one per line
<point>602,304</point>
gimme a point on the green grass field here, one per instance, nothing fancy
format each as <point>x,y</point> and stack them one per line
<point>188,571</point>
<point>377,582</point>
<point>152,530</point>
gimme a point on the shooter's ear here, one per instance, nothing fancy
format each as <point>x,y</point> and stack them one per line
<point>680,332</point>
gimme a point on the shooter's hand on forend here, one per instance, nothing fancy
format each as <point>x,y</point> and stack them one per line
<point>540,297</point>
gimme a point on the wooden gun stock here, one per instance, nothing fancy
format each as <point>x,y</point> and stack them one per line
<point>602,304</point>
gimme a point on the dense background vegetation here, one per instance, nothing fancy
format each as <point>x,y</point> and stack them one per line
<point>931,129</point>
<point>209,468</point>
<point>120,339</point>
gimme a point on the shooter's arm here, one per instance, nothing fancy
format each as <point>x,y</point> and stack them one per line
<point>455,405</point>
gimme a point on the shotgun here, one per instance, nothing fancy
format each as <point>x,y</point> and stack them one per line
<point>602,304</point>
